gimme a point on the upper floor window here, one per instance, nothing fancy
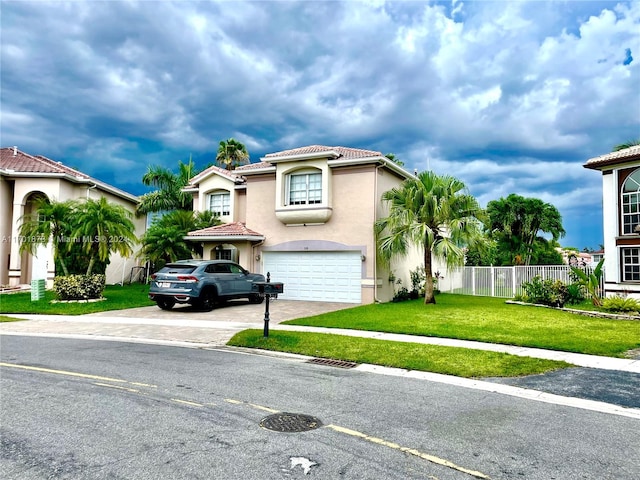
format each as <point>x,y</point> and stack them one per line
<point>220,203</point>
<point>304,188</point>
<point>631,204</point>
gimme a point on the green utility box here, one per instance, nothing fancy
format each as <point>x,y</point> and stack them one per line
<point>37,289</point>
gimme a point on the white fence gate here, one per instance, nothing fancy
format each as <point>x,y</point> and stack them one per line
<point>505,282</point>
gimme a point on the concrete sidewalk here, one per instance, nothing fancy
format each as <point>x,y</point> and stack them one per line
<point>197,331</point>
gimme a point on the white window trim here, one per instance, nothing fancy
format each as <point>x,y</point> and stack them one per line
<point>222,194</point>
<point>627,218</point>
<point>307,172</point>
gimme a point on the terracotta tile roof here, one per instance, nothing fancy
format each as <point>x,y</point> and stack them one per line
<point>24,163</point>
<point>631,153</point>
<point>233,229</point>
<point>344,152</point>
<point>214,169</point>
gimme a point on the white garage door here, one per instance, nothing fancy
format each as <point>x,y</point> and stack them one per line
<point>316,276</point>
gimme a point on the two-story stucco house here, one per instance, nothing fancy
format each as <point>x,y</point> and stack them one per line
<point>23,178</point>
<point>306,217</point>
<point>621,219</point>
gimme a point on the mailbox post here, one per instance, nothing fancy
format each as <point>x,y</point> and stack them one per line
<point>267,289</point>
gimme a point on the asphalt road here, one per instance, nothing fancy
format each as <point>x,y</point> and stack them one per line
<point>91,410</point>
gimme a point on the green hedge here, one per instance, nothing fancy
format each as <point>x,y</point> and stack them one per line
<point>79,287</point>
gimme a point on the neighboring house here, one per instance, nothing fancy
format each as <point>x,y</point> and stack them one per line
<point>621,218</point>
<point>306,217</point>
<point>24,178</point>
<point>596,257</point>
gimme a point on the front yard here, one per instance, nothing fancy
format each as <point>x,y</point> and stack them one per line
<point>454,316</point>
<point>117,298</point>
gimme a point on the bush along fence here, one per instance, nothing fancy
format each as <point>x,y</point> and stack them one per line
<point>506,282</point>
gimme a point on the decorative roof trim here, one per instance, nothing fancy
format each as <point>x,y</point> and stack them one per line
<point>613,158</point>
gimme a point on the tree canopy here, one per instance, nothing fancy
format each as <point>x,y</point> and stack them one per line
<point>231,154</point>
<point>434,213</point>
<point>515,224</point>
<point>168,194</point>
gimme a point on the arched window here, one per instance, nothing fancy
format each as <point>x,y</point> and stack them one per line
<point>304,187</point>
<point>631,204</point>
<point>219,202</point>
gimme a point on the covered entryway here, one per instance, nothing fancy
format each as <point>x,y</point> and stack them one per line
<point>317,276</point>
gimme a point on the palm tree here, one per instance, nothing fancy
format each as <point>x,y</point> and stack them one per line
<point>164,240</point>
<point>103,228</point>
<point>169,194</point>
<point>232,154</point>
<point>516,221</point>
<point>434,213</point>
<point>622,146</point>
<point>48,222</point>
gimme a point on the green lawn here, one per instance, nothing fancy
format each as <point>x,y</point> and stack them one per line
<point>461,362</point>
<point>117,298</point>
<point>491,320</point>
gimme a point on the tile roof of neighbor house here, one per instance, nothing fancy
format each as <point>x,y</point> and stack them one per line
<point>213,168</point>
<point>233,229</point>
<point>631,153</point>
<point>344,152</point>
<point>13,162</point>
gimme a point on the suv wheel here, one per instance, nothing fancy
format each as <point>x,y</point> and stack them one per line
<point>165,303</point>
<point>256,298</point>
<point>207,300</point>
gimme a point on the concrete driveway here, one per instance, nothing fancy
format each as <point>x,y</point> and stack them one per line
<point>239,311</point>
<point>181,324</point>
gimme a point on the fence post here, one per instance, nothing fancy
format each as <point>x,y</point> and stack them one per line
<point>513,281</point>
<point>493,282</point>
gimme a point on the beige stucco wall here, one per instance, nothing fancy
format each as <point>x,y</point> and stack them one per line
<point>6,236</point>
<point>355,202</point>
<point>216,183</point>
<point>62,190</point>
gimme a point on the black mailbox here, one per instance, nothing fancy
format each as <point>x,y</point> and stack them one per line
<point>268,288</point>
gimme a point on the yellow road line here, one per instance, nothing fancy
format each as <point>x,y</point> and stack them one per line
<point>395,446</point>
<point>260,407</point>
<point>118,387</point>
<point>72,374</point>
<point>235,402</point>
<point>185,402</point>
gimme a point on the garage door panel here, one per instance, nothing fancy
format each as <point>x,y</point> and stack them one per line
<point>316,276</point>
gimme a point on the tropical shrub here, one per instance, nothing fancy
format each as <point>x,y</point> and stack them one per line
<point>621,304</point>
<point>79,287</point>
<point>546,292</point>
<point>591,281</point>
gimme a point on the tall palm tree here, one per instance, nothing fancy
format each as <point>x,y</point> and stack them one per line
<point>434,213</point>
<point>103,228</point>
<point>622,146</point>
<point>169,194</point>
<point>231,154</point>
<point>49,221</point>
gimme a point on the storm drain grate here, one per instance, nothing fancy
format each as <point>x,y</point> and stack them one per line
<point>329,362</point>
<point>290,422</point>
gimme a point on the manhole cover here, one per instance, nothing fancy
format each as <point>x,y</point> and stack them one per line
<point>332,363</point>
<point>290,422</point>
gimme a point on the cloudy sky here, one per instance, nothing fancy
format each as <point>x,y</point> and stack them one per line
<point>510,97</point>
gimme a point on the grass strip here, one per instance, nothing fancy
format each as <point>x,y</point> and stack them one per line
<point>457,361</point>
<point>4,319</point>
<point>487,319</point>
<point>117,298</point>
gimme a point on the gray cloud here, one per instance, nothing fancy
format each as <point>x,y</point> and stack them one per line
<point>503,94</point>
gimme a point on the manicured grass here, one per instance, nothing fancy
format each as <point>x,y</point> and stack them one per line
<point>491,320</point>
<point>117,298</point>
<point>412,356</point>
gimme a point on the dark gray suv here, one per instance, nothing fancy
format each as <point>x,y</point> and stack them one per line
<point>202,283</point>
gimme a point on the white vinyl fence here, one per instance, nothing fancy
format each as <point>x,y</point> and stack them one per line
<point>505,282</point>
